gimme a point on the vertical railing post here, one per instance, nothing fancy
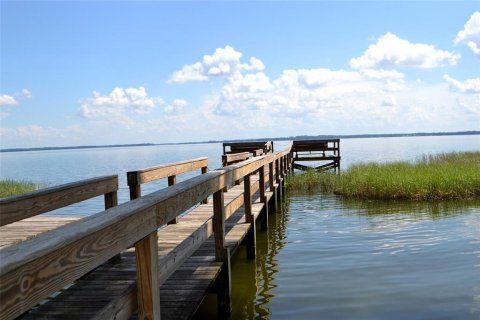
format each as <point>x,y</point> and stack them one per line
<point>338,154</point>
<point>289,162</point>
<point>224,164</point>
<point>133,185</point>
<point>171,181</point>
<point>282,170</point>
<point>270,177</point>
<point>250,238</point>
<point>263,199</point>
<point>277,179</point>
<point>148,287</point>
<point>146,252</point>
<point>273,201</point>
<point>111,200</point>
<point>222,254</point>
<point>205,170</point>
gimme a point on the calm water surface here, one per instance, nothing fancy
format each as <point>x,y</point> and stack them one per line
<point>322,257</point>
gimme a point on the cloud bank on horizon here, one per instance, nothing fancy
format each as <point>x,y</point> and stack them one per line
<point>375,95</point>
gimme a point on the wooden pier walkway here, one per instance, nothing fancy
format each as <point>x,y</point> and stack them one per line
<point>154,256</point>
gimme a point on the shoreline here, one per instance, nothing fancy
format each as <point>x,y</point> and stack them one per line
<point>302,137</point>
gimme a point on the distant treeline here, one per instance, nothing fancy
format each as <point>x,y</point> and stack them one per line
<point>77,147</point>
<point>304,137</point>
<point>356,136</point>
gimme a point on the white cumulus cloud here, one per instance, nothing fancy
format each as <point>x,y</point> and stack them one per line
<point>119,105</point>
<point>470,34</point>
<point>467,86</point>
<point>6,100</point>
<point>306,93</point>
<point>392,51</point>
<point>223,62</point>
<point>176,105</point>
<point>24,93</point>
<point>134,100</point>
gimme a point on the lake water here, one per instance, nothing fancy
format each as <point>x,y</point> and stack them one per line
<point>322,257</point>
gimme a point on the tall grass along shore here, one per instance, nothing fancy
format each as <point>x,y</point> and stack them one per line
<point>10,187</point>
<point>432,177</point>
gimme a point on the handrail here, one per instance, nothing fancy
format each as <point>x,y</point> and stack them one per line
<point>32,270</point>
<point>158,172</point>
<point>317,145</point>
<point>136,178</point>
<point>27,205</point>
<point>231,158</point>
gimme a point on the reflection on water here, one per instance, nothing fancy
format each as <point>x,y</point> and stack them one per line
<point>361,260</point>
<point>253,280</point>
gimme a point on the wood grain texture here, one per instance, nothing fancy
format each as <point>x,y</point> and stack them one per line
<point>148,288</point>
<point>33,270</point>
<point>27,205</point>
<point>31,227</point>
<point>228,159</point>
<point>219,224</point>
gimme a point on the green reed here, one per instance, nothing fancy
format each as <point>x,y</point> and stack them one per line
<point>431,177</point>
<point>10,187</point>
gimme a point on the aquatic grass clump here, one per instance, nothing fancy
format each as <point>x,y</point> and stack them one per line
<point>9,187</point>
<point>312,181</point>
<point>432,177</point>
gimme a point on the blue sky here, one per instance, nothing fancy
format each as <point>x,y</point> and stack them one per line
<point>104,72</point>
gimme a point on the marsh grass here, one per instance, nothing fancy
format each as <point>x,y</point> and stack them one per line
<point>431,177</point>
<point>12,187</point>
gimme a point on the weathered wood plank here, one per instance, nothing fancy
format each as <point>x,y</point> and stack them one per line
<point>50,270</point>
<point>148,295</point>
<point>23,206</point>
<point>141,176</point>
<point>31,227</point>
<point>228,159</point>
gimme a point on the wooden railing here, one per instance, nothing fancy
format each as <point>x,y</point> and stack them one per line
<point>136,178</point>
<point>323,148</point>
<point>231,158</point>
<point>34,269</point>
<point>30,204</point>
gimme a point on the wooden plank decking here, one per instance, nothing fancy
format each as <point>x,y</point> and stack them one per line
<point>110,289</point>
<point>28,228</point>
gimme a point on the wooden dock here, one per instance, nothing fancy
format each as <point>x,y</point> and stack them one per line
<point>157,255</point>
